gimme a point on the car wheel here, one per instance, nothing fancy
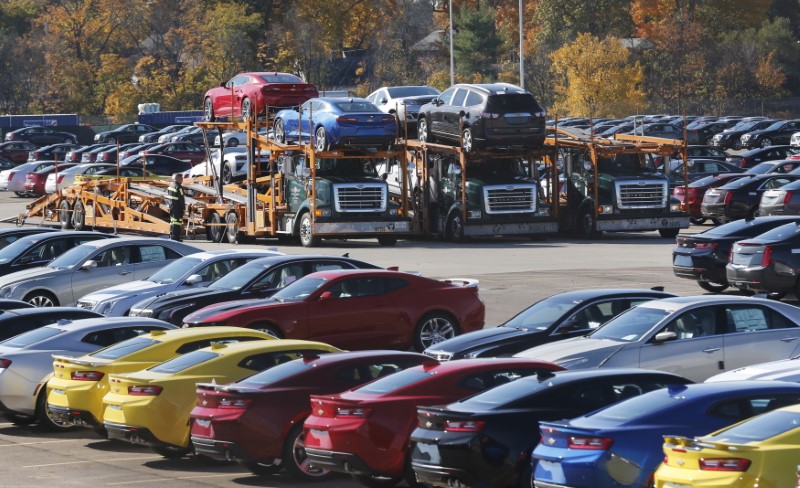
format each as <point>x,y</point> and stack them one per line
<point>233,142</point>
<point>296,460</point>
<point>387,241</point>
<point>78,221</point>
<point>737,145</point>
<point>433,328</point>
<point>697,220</point>
<point>423,131</point>
<point>227,175</point>
<point>232,227</point>
<point>268,329</point>
<point>69,140</point>
<point>41,299</point>
<point>307,237</point>
<point>455,228</point>
<point>712,286</point>
<point>214,230</point>
<point>716,221</point>
<point>467,142</point>
<point>279,131</point>
<point>65,215</point>
<point>171,452</point>
<point>208,110</point>
<point>21,194</point>
<point>377,481</point>
<point>669,233</point>
<point>260,469</point>
<point>766,142</point>
<point>111,140</point>
<point>246,108</point>
<point>776,295</point>
<point>321,140</point>
<point>45,417</point>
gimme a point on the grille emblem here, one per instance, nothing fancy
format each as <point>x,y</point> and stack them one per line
<point>428,424</point>
<point>551,441</point>
<point>320,411</point>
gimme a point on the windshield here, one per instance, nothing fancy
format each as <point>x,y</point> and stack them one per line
<point>345,167</point>
<point>412,91</point>
<point>543,314</point>
<point>27,338</point>
<point>758,428</point>
<point>501,168</point>
<point>626,164</point>
<point>736,184</point>
<point>175,270</point>
<point>760,168</point>
<point>781,233</point>
<point>280,78</point>
<point>11,251</point>
<point>630,326</point>
<point>299,290</point>
<point>745,125</point>
<point>239,277</point>
<point>74,257</point>
<point>776,126</point>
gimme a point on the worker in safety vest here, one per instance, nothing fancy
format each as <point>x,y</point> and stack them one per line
<point>177,205</point>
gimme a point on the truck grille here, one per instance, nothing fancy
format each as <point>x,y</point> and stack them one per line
<point>360,197</point>
<point>510,198</point>
<point>642,194</point>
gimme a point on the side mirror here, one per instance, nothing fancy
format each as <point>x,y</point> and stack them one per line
<point>90,264</point>
<point>326,295</point>
<point>224,84</point>
<point>384,176</point>
<point>193,280</point>
<point>438,102</point>
<point>665,336</point>
<point>383,101</point>
<point>462,113</point>
<point>26,259</point>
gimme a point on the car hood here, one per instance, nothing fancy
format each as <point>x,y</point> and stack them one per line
<point>123,289</point>
<point>179,296</point>
<point>580,352</point>
<point>783,370</point>
<point>28,274</point>
<point>239,305</point>
<point>483,337</point>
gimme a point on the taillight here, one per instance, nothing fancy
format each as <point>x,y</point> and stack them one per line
<point>353,412</point>
<point>743,163</point>
<point>724,464</point>
<point>60,178</point>
<point>596,443</point>
<point>4,363</point>
<point>706,245</point>
<point>682,241</point>
<point>463,425</point>
<point>788,197</point>
<point>144,390</point>
<point>679,190</point>
<point>387,119</point>
<point>346,120</point>
<point>322,409</point>
<point>234,402</point>
<point>728,197</point>
<point>87,375</point>
<point>767,256</point>
<point>489,115</point>
<point>691,196</point>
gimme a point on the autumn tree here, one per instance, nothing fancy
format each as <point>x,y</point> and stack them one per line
<point>596,78</point>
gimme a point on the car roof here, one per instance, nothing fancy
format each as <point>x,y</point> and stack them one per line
<point>495,88</point>
<point>61,233</point>
<point>275,260</point>
<point>610,292</point>
<point>202,332</point>
<point>566,376</point>
<point>335,273</point>
<point>338,357</point>
<point>205,255</point>
<point>679,303</point>
<point>457,365</point>
<point>129,240</point>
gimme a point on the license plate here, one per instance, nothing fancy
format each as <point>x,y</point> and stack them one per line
<point>555,473</point>
<point>202,423</point>
<point>667,484</point>
<point>428,453</point>
<point>683,260</point>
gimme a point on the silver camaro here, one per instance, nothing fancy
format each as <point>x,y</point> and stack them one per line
<point>90,267</point>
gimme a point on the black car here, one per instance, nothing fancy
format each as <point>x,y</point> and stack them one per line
<point>41,136</point>
<point>702,257</point>
<point>732,138</point>
<point>38,249</point>
<point>703,133</point>
<point>53,152</point>
<point>153,136</point>
<point>767,263</point>
<point>556,317</point>
<point>487,439</point>
<point>124,133</point>
<point>12,304</point>
<point>739,199</point>
<point>658,129</point>
<point>18,320</point>
<point>778,133</point>
<point>158,164</point>
<point>706,152</point>
<point>75,155</point>
<point>483,115</point>
<point>259,278</point>
<point>699,168</point>
<point>616,129</point>
<point>13,234</point>
<point>195,136</point>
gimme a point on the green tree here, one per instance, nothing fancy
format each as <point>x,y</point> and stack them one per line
<point>477,44</point>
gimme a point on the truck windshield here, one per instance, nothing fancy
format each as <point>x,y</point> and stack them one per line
<point>497,169</point>
<point>345,167</point>
<point>626,164</point>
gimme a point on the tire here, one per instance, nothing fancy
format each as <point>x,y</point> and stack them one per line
<point>766,142</point>
<point>111,140</point>
<point>260,469</point>
<point>41,299</point>
<point>306,231</point>
<point>19,420</point>
<point>246,108</point>
<point>171,452</point>
<point>268,329</point>
<point>65,215</point>
<point>214,231</point>
<point>737,145</point>
<point>712,286</point>
<point>208,110</point>
<point>669,233</point>
<point>585,225</point>
<point>697,220</point>
<point>433,328</point>
<point>232,228</point>
<point>21,194</point>
<point>467,141</point>
<point>455,228</point>
<point>279,131</point>
<point>716,221</point>
<point>321,140</point>
<point>387,241</point>
<point>227,175</point>
<point>233,142</point>
<point>423,131</point>
<point>295,459</point>
<point>44,416</point>
<point>78,216</point>
<point>377,481</point>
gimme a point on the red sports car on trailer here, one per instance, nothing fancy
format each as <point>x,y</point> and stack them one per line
<point>246,93</point>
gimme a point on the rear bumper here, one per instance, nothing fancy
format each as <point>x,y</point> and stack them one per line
<point>132,434</point>
<point>220,450</point>
<point>68,416</point>
<point>445,477</point>
<point>343,462</point>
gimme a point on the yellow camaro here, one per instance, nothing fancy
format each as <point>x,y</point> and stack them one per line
<point>75,393</point>
<point>761,452</point>
<point>152,406</point>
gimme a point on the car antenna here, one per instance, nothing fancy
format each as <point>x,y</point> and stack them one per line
<point>346,255</point>
<point>657,288</point>
<point>544,375</point>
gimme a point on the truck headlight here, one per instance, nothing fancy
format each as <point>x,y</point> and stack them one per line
<point>473,214</point>
<point>605,209</point>
<point>543,210</point>
<point>674,207</point>
<point>323,212</point>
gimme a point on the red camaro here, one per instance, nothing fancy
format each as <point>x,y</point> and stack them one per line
<point>366,431</point>
<point>249,92</point>
<point>258,421</point>
<point>358,309</point>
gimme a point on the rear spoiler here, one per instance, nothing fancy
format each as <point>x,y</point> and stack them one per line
<point>465,282</point>
<point>74,360</point>
<point>227,388</point>
<point>695,444</point>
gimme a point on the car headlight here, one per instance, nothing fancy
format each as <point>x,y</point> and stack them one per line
<point>105,307</point>
<point>8,291</point>
<point>473,214</point>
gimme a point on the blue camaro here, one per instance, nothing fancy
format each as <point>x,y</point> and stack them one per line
<point>330,122</point>
<point>621,445</point>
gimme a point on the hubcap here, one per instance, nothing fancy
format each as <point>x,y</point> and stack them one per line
<point>279,135</point>
<point>435,331</point>
<point>422,130</point>
<point>301,459</point>
<point>468,140</point>
<point>41,301</point>
<point>320,140</point>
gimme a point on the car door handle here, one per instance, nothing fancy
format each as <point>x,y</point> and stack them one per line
<point>789,339</point>
<point>711,349</point>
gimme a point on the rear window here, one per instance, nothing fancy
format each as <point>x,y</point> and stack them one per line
<point>513,103</point>
<point>736,184</point>
<point>394,382</point>
<point>759,428</point>
<point>505,394</point>
<point>278,373</point>
<point>356,107</point>
<point>124,348</point>
<point>642,405</point>
<point>780,233</point>
<point>32,337</point>
<point>281,78</point>
<point>738,227</point>
<point>186,361</point>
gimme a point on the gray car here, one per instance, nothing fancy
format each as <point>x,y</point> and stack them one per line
<point>695,337</point>
<point>90,267</point>
<point>29,359</point>
<point>192,271</point>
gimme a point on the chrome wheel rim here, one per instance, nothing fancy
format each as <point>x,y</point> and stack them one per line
<point>436,330</point>
<point>300,458</point>
<point>422,130</point>
<point>319,139</point>
<point>41,301</point>
<point>467,137</point>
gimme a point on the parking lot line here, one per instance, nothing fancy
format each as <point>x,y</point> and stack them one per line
<point>39,442</point>
<point>138,458</point>
<point>162,480</point>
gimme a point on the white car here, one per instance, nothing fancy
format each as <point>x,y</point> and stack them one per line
<point>14,179</point>
<point>403,101</point>
<point>67,177</point>
<point>232,139</point>
<point>695,337</point>
<point>781,370</point>
<point>26,360</point>
<point>233,167</point>
<point>795,140</point>
<point>168,136</point>
<point>192,271</point>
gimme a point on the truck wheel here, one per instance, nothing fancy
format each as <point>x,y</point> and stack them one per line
<point>78,221</point>
<point>296,460</point>
<point>387,241</point>
<point>307,237</point>
<point>712,286</point>
<point>455,228</point>
<point>669,233</point>
<point>208,110</point>
<point>433,328</point>
<point>214,231</point>
<point>232,228</point>
<point>585,225</point>
<point>64,215</point>
<point>423,131</point>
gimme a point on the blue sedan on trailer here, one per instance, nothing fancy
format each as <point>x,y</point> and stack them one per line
<point>621,445</point>
<point>329,122</point>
